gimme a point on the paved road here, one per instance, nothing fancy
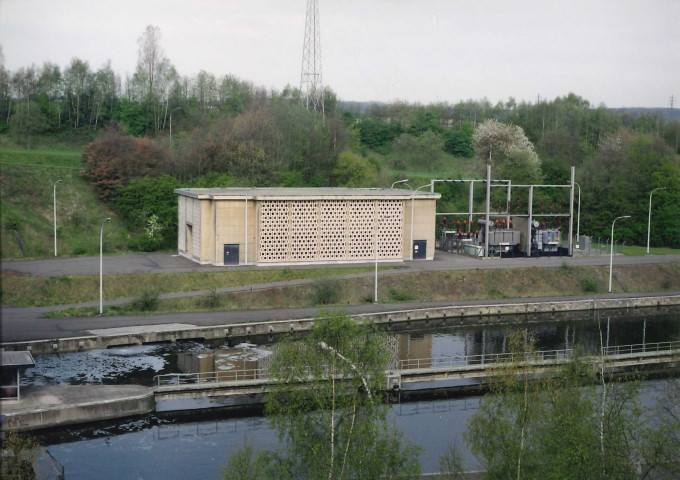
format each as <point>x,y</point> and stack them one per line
<point>167,263</point>
<point>23,324</point>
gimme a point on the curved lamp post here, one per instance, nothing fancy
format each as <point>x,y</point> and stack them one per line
<point>611,253</point>
<point>578,215</point>
<point>400,181</point>
<point>101,289</point>
<point>413,201</point>
<point>54,196</point>
<point>649,218</point>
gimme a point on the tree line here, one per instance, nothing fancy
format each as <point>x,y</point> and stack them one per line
<point>222,131</point>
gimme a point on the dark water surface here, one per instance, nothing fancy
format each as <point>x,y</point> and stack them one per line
<point>139,363</point>
<point>158,447</point>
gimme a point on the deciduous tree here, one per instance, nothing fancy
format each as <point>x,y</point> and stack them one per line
<point>327,409</point>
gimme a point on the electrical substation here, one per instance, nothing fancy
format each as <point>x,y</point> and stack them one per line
<point>516,228</point>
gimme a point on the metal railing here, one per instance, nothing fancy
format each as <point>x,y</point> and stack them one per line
<point>482,359</point>
<point>641,348</point>
<point>262,374</point>
<point>223,376</point>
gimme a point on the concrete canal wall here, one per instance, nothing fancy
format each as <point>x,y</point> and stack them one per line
<point>453,315</point>
<point>52,406</point>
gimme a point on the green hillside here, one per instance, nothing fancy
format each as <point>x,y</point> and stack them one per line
<point>27,180</point>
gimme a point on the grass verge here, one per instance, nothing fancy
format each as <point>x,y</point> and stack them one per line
<point>634,250</point>
<point>426,286</point>
<point>31,291</point>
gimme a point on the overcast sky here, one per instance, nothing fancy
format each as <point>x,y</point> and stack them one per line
<point>617,52</point>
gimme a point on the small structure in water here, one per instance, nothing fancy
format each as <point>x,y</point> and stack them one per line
<point>12,365</point>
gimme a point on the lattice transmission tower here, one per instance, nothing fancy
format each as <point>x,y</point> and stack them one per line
<point>311,84</point>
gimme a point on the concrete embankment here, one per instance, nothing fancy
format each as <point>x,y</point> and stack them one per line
<point>53,406</point>
<point>451,315</point>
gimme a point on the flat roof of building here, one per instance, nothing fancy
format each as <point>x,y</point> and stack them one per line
<point>17,359</point>
<point>282,193</point>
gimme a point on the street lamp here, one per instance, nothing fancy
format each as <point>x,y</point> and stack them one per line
<point>649,218</point>
<point>400,181</point>
<point>101,289</point>
<point>611,253</point>
<point>377,230</point>
<point>413,200</point>
<point>173,110</point>
<point>54,196</point>
<point>578,215</point>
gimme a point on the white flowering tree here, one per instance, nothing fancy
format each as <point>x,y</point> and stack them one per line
<point>507,149</point>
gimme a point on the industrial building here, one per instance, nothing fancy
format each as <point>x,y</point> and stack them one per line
<point>281,226</point>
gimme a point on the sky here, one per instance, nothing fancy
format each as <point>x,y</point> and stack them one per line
<point>620,53</point>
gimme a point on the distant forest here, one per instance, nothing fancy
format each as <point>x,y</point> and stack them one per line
<point>206,130</point>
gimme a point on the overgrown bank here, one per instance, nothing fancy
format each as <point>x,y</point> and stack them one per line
<point>426,286</point>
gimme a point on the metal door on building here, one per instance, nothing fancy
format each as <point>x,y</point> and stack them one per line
<point>231,254</point>
<point>419,249</point>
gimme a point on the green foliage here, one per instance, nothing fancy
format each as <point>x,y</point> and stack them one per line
<point>378,135</point>
<point>424,151</point>
<point>148,302</point>
<point>211,300</point>
<point>26,194</point>
<point>397,295</point>
<point>565,426</point>
<point>618,180</point>
<point>149,205</point>
<point>589,285</point>
<point>458,141</point>
<point>19,454</point>
<point>334,427</point>
<point>132,117</point>
<point>247,464</point>
<point>326,291</point>
<point>352,170</point>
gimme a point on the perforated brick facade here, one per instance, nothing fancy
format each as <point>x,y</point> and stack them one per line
<point>288,226</point>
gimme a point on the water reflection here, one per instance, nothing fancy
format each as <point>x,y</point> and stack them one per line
<point>179,448</point>
<point>139,364</point>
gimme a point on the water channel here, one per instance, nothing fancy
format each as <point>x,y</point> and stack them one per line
<point>168,447</point>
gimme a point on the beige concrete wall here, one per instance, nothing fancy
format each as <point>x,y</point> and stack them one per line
<point>189,214</point>
<point>207,237</point>
<point>406,250</point>
<point>423,225</point>
<point>229,227</point>
<point>181,224</point>
<point>216,222</point>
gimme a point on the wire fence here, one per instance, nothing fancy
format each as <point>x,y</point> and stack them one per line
<point>597,246</point>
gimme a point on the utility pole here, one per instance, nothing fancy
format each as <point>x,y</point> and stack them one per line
<point>671,101</point>
<point>311,84</point>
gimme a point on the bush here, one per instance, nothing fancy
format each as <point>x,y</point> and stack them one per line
<point>399,296</point>
<point>147,302</point>
<point>589,285</point>
<point>326,291</point>
<point>211,300</point>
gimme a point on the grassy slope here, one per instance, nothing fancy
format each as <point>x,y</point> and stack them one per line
<point>27,290</point>
<point>27,181</point>
<point>426,286</point>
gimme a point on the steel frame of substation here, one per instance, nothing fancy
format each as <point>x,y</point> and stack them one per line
<point>530,214</point>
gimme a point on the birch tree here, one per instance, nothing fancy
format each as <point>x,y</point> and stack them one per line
<point>327,409</point>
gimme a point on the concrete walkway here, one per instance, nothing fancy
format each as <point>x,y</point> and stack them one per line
<point>56,405</point>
